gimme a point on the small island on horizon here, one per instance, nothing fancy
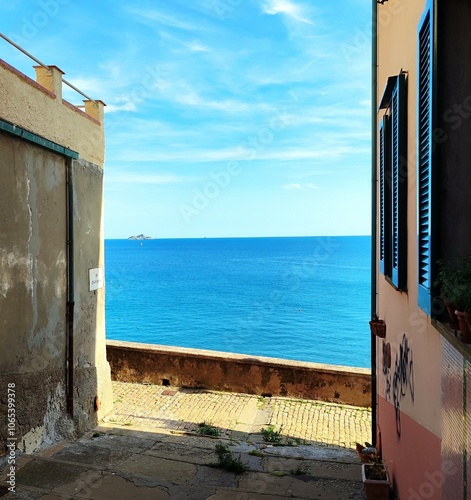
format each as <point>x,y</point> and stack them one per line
<point>140,237</point>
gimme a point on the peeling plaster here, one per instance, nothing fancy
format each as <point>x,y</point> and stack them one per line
<point>52,180</point>
<point>33,243</point>
<point>15,267</point>
<point>61,264</point>
<point>46,343</point>
<point>48,433</point>
<point>33,439</point>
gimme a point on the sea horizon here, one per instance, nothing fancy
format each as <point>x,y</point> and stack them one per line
<point>245,237</point>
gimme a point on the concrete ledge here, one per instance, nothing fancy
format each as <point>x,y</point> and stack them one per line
<point>213,370</point>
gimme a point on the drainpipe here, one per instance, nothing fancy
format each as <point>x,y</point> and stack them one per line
<point>374,106</point>
<point>70,288</point>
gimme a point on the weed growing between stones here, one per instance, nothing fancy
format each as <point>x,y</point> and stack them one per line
<point>298,471</point>
<point>227,461</point>
<point>207,430</point>
<point>270,435</point>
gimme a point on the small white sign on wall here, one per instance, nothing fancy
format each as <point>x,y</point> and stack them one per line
<point>95,278</point>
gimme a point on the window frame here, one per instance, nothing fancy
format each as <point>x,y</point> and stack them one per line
<point>425,160</point>
<point>393,181</point>
<point>399,174</point>
<point>385,182</point>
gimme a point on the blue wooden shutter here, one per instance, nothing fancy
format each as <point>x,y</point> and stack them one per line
<point>424,161</point>
<point>385,196</point>
<point>399,183</point>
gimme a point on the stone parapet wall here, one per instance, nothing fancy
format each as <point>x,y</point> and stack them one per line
<point>212,370</point>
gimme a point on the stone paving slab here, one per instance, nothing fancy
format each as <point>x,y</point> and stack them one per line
<point>147,449</point>
<point>45,474</point>
<point>92,455</point>
<point>182,451</point>
<point>116,487</point>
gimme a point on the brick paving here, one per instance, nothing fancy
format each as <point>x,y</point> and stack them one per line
<point>181,410</point>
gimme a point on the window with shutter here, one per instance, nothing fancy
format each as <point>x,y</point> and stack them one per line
<point>399,184</point>
<point>424,160</point>
<point>393,182</point>
<point>385,196</point>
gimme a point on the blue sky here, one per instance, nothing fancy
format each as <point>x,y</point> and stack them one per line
<point>224,117</point>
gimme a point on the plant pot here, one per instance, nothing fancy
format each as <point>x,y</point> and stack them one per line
<point>467,318</point>
<point>378,328</point>
<point>375,489</point>
<point>451,309</point>
<point>464,327</point>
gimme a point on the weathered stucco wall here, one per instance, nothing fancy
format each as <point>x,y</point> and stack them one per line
<point>34,262</point>
<point>32,286</point>
<point>92,371</point>
<point>133,362</point>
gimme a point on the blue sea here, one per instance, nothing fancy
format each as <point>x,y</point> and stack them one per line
<point>304,298</point>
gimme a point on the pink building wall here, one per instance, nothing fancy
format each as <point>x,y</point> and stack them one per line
<point>423,371</point>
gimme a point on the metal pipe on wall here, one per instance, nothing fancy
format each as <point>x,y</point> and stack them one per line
<point>374,106</point>
<point>70,287</point>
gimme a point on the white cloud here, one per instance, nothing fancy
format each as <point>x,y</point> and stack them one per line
<point>243,153</point>
<point>225,105</point>
<point>294,186</point>
<point>166,19</point>
<point>197,47</point>
<point>175,41</point>
<point>286,7</point>
<point>128,106</point>
<point>176,89</point>
<point>141,178</point>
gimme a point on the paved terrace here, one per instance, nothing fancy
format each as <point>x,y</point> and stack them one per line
<point>238,416</point>
<point>148,448</point>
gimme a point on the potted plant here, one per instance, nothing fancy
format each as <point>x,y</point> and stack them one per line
<point>463,299</point>
<point>467,313</point>
<point>465,332</point>
<point>454,282</point>
<point>446,284</point>
<point>378,327</point>
<point>375,480</point>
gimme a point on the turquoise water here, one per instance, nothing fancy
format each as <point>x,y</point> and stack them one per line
<point>301,298</point>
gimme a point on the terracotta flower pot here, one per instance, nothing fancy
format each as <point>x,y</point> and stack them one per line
<point>378,328</point>
<point>451,309</point>
<point>467,318</point>
<point>464,327</point>
<point>375,489</point>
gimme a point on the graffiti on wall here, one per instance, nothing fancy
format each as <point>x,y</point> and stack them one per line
<point>400,378</point>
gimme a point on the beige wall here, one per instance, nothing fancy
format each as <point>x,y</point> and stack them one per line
<point>397,50</point>
<point>41,109</point>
